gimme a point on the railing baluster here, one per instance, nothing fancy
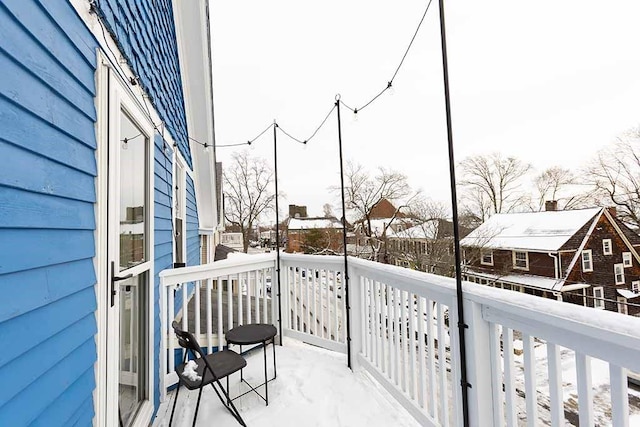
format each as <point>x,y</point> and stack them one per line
<point>530,380</point>
<point>248,299</point>
<point>294,299</point>
<point>619,396</point>
<point>259,279</point>
<point>431,361</point>
<point>323,275</point>
<point>585,392</point>
<point>336,325</point>
<point>555,385</point>
<point>343,307</point>
<point>397,312</point>
<point>185,318</point>
<point>405,348</point>
<point>412,345</point>
<point>240,322</point>
<point>388,331</point>
<point>196,311</point>
<point>221,340</point>
<point>421,354</point>
<point>308,299</point>
<point>209,318</point>
<point>314,284</point>
<point>363,315</point>
<point>376,322</point>
<point>369,318</point>
<point>229,302</point>
<point>509,376</point>
<point>496,373</point>
<point>265,306</point>
<point>442,365</point>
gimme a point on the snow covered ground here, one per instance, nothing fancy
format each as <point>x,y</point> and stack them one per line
<point>314,388</point>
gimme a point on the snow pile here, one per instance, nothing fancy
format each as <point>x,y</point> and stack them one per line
<point>314,387</point>
<point>190,371</point>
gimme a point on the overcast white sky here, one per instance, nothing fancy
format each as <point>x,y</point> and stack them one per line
<point>549,81</point>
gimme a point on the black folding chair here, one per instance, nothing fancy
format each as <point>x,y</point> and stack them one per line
<point>211,368</point>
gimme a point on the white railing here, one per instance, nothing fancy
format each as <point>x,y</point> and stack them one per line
<point>529,360</point>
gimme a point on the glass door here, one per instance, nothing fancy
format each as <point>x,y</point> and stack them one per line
<point>130,266</point>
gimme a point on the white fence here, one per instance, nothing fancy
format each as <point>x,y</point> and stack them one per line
<point>530,361</point>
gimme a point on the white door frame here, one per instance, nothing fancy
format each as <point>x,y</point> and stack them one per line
<point>112,97</point>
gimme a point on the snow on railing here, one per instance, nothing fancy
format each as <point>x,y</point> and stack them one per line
<point>530,360</point>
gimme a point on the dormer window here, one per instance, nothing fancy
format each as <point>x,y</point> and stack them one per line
<point>486,257</point>
<point>587,261</point>
<point>520,260</point>
<point>606,247</point>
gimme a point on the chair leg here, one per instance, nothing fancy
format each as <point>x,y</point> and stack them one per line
<point>273,344</point>
<point>197,407</point>
<point>174,403</point>
<point>266,379</point>
<point>230,407</point>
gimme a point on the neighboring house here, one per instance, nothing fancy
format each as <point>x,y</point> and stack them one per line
<point>102,187</point>
<point>586,257</point>
<point>314,235</point>
<point>427,246</point>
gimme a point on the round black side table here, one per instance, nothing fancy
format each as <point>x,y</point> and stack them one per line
<point>255,333</point>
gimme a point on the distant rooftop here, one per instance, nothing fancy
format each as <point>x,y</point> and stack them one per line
<point>310,223</point>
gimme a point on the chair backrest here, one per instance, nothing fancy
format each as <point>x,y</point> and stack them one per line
<point>187,340</point>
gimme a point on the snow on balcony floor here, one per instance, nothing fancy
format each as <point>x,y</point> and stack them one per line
<point>314,388</point>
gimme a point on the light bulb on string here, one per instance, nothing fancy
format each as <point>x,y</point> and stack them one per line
<point>124,144</point>
<point>355,115</point>
<point>390,88</point>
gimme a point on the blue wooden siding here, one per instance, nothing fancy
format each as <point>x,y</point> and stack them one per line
<point>163,239</point>
<point>47,224</point>
<point>193,238</point>
<point>145,32</point>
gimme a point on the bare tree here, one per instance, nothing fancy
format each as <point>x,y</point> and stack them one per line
<point>364,191</point>
<point>327,209</point>
<point>559,184</point>
<point>493,184</point>
<point>614,176</point>
<point>247,192</point>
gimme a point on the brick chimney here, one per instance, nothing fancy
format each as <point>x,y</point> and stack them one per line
<point>297,211</point>
<point>613,211</point>
<point>551,205</point>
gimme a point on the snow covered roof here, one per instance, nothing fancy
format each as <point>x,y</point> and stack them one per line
<point>541,231</point>
<point>415,232</point>
<point>309,223</point>
<point>627,293</point>
<point>539,282</point>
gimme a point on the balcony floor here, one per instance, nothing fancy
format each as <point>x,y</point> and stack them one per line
<point>314,388</point>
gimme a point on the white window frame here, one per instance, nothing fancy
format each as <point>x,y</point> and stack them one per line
<point>615,273</point>
<point>635,286</point>
<point>586,268</point>
<point>180,171</point>
<point>606,251</point>
<point>598,301</point>
<point>483,254</point>
<point>627,260</point>
<point>526,259</point>
<point>622,305</point>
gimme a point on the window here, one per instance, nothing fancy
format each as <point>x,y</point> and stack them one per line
<point>618,270</point>
<point>622,305</point>
<point>606,246</point>
<point>626,259</point>
<point>598,295</point>
<point>520,260</point>
<point>635,286</point>
<point>587,263</point>
<point>486,257</point>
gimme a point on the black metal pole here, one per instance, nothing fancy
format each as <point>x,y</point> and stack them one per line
<point>456,232</point>
<point>344,238</point>
<point>275,167</point>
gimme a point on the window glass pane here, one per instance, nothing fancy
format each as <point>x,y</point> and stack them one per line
<point>133,194</point>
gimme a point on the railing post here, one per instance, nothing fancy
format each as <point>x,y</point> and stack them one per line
<point>163,340</point>
<point>479,370</point>
<point>355,303</point>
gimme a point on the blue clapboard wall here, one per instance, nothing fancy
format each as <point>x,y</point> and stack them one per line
<point>145,33</point>
<point>47,196</point>
<point>163,238</point>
